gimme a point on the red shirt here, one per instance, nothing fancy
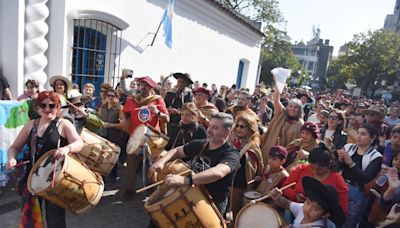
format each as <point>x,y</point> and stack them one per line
<point>334,179</point>
<point>133,108</point>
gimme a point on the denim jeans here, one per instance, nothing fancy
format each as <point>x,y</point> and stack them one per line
<point>357,204</point>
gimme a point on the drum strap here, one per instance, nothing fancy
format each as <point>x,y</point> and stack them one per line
<point>33,140</point>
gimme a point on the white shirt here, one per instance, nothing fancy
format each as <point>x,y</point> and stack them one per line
<point>297,211</point>
<point>313,118</point>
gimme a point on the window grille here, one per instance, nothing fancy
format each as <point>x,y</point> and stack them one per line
<point>96,53</point>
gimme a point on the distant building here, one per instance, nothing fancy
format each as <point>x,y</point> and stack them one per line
<point>342,50</point>
<point>315,56</point>
<point>392,21</point>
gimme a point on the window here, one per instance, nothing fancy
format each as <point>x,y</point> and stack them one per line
<point>310,66</point>
<point>96,50</point>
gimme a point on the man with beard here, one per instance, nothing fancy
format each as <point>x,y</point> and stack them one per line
<point>214,161</point>
<point>174,100</point>
<point>139,105</point>
<point>242,105</point>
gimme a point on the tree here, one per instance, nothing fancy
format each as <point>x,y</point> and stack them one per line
<point>371,58</point>
<point>276,49</point>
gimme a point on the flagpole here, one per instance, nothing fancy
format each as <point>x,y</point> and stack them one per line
<point>155,35</point>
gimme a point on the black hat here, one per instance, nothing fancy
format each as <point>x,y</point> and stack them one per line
<point>328,195</point>
<point>185,77</point>
<point>300,95</point>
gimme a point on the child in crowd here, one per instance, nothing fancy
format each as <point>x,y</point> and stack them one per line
<point>322,202</point>
<point>274,173</point>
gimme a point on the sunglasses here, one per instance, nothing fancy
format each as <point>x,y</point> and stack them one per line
<point>333,117</point>
<point>50,106</point>
<point>241,126</point>
<point>110,95</point>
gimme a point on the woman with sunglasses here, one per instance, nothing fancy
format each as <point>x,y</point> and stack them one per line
<point>31,92</point>
<point>245,138</point>
<point>49,132</point>
<point>332,133</point>
<point>111,114</point>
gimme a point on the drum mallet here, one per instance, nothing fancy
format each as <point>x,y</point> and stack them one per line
<point>161,182</point>
<point>269,195</point>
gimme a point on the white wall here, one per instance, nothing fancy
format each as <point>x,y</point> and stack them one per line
<point>12,43</point>
<point>206,43</point>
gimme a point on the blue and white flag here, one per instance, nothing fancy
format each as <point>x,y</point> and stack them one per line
<point>167,22</point>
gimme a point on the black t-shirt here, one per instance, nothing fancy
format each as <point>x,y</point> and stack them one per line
<point>205,159</point>
<point>3,86</point>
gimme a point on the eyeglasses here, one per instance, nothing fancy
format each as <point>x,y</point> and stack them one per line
<point>241,126</point>
<point>110,95</point>
<point>333,117</point>
<point>50,106</point>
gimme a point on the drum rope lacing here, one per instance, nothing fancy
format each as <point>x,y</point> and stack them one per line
<point>81,183</point>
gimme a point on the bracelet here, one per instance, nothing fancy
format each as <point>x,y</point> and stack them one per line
<point>190,180</point>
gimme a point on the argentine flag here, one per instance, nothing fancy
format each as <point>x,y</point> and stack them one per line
<point>167,22</point>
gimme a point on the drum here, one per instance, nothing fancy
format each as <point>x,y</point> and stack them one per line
<point>186,206</point>
<point>98,153</point>
<point>174,167</point>
<point>258,215</point>
<point>155,139</point>
<point>76,187</point>
<point>249,196</point>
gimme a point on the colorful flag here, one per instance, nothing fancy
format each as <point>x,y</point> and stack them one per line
<point>167,22</point>
<point>13,117</point>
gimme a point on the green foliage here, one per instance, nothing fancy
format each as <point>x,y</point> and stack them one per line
<point>371,58</point>
<point>276,49</point>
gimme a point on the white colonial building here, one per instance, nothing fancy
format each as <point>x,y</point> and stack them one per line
<point>91,41</point>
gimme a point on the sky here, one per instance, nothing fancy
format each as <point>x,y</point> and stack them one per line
<point>338,20</point>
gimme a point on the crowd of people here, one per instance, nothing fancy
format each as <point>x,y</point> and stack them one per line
<point>342,153</point>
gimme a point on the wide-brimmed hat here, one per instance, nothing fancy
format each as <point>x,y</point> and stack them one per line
<point>184,76</point>
<point>374,109</point>
<point>300,95</point>
<point>328,195</point>
<point>74,96</point>
<point>54,78</point>
<point>147,80</point>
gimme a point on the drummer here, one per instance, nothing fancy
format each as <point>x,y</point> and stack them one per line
<point>152,110</point>
<point>322,203</point>
<point>40,136</point>
<point>214,161</point>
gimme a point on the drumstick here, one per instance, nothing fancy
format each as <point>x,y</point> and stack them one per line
<point>251,181</point>
<point>22,163</point>
<point>71,104</point>
<point>161,182</point>
<point>269,195</point>
<point>55,165</point>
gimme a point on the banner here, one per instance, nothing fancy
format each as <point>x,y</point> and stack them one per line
<point>13,117</point>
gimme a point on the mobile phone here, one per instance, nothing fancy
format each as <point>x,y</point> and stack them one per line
<point>128,73</point>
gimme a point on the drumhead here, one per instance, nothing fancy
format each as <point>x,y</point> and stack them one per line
<point>42,174</point>
<point>252,195</point>
<point>136,139</point>
<point>258,215</point>
<point>160,194</point>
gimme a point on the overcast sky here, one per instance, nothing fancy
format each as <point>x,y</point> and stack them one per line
<point>337,19</point>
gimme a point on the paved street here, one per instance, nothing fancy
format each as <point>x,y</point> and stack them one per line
<point>110,212</point>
